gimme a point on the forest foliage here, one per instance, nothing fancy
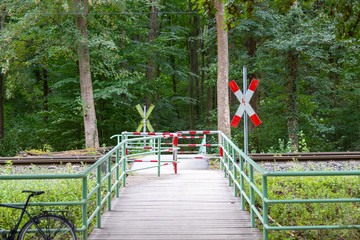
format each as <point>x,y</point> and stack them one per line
<point>305,56</point>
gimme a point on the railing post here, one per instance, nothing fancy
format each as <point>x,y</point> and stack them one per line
<point>204,143</point>
<point>98,196</point>
<point>84,207</point>
<point>265,208</point>
<point>252,195</point>
<point>159,155</point>
<point>175,143</point>
<point>228,163</point>
<point>117,172</point>
<point>109,183</point>
<point>221,151</point>
<point>242,184</point>
<point>225,159</point>
<point>234,172</point>
<point>123,165</point>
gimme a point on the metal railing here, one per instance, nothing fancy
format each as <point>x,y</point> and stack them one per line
<point>240,174</point>
<point>108,181</point>
<point>246,187</point>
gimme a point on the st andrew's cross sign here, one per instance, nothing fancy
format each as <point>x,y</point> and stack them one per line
<point>244,103</point>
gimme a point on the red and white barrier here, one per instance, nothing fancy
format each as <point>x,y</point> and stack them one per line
<point>192,157</point>
<point>153,134</point>
<point>198,132</point>
<point>198,145</point>
<point>190,152</point>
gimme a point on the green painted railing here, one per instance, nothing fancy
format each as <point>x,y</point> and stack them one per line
<point>241,177</point>
<point>232,169</point>
<point>109,180</point>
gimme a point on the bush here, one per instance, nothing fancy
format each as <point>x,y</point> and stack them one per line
<point>307,214</point>
<point>57,190</point>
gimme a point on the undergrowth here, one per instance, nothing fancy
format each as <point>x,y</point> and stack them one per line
<point>310,214</point>
<point>57,190</point>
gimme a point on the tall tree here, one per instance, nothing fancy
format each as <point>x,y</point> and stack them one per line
<point>194,64</point>
<point>152,36</point>
<point>90,123</point>
<point>223,71</point>
<point>2,81</point>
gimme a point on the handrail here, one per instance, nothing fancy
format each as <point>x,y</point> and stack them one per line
<point>241,179</point>
<point>104,181</point>
<point>228,152</point>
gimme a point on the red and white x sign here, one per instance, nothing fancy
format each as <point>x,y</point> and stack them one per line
<point>244,103</point>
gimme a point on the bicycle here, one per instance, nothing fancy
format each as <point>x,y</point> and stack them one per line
<point>48,225</point>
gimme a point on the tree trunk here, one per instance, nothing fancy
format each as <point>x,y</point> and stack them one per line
<point>90,122</point>
<point>209,104</point>
<point>291,103</point>
<point>45,94</point>
<point>2,84</point>
<point>152,36</point>
<point>251,46</point>
<point>194,65</point>
<point>223,72</point>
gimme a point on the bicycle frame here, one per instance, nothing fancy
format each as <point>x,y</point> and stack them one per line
<point>13,231</point>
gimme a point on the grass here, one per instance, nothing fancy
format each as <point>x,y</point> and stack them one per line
<point>58,190</point>
<point>308,214</point>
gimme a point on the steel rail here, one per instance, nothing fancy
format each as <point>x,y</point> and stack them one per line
<point>257,157</point>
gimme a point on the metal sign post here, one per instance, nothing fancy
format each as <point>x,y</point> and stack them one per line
<point>145,121</point>
<point>245,105</point>
<point>246,124</point>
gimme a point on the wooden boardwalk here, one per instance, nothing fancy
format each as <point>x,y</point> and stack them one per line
<point>194,204</point>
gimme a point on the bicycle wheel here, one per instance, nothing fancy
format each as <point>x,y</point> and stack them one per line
<point>52,226</point>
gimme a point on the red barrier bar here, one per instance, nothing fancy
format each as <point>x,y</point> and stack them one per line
<point>175,141</point>
<point>175,167</point>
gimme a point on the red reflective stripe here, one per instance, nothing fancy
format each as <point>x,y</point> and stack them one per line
<point>166,163</point>
<point>135,133</point>
<point>255,120</point>
<point>221,152</point>
<point>235,121</point>
<point>206,132</point>
<point>147,147</point>
<point>175,141</point>
<point>126,151</point>
<point>192,132</point>
<point>151,133</point>
<point>192,145</point>
<point>153,161</point>
<point>198,157</point>
<point>234,87</point>
<point>253,84</point>
<point>138,160</point>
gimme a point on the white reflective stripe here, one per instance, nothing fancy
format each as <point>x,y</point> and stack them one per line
<point>248,95</point>
<point>239,95</point>
<point>250,111</point>
<point>240,110</point>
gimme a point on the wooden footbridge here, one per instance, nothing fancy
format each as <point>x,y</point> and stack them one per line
<point>176,195</point>
<point>193,204</point>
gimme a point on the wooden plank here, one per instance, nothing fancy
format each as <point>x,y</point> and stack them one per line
<point>191,205</point>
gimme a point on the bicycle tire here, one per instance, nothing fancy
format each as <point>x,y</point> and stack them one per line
<point>53,226</point>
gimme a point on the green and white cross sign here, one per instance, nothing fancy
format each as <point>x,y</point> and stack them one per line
<point>145,121</point>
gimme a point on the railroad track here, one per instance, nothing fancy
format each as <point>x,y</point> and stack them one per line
<point>258,157</point>
<point>311,156</point>
<point>49,160</point>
